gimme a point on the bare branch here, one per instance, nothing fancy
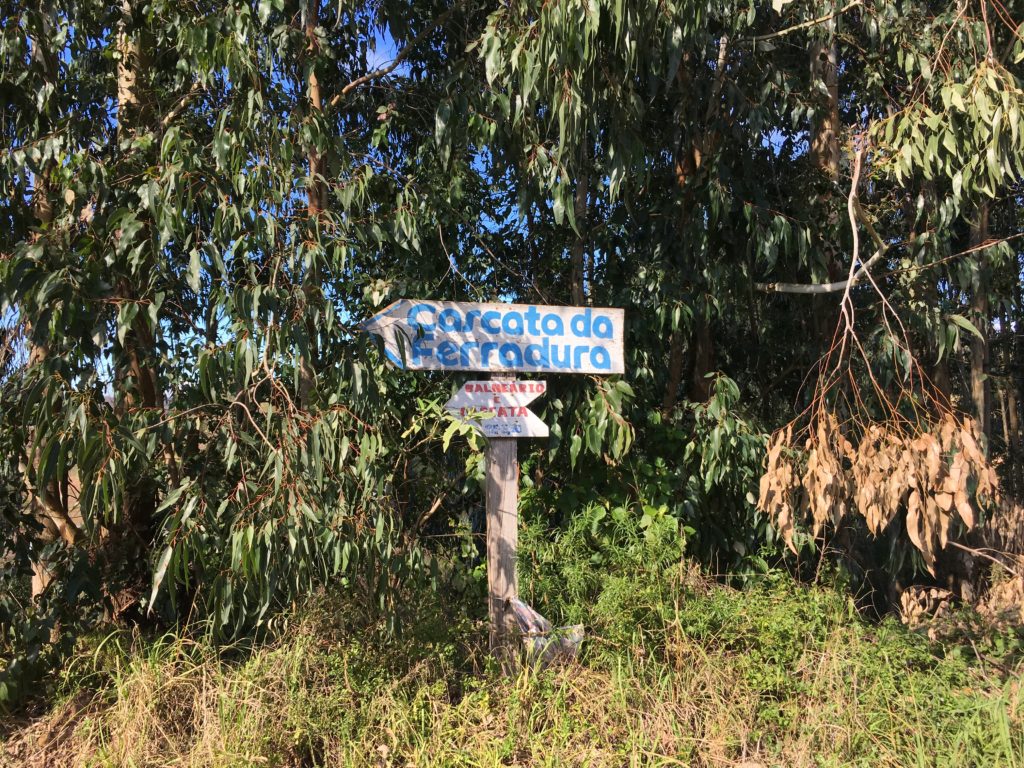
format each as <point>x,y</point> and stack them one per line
<point>806,24</point>
<point>812,288</point>
<point>851,209</point>
<point>396,62</point>
<point>179,106</point>
<point>856,212</point>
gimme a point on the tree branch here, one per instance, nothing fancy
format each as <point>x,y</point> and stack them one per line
<point>857,213</point>
<point>835,287</point>
<point>806,24</point>
<point>179,106</point>
<point>396,62</point>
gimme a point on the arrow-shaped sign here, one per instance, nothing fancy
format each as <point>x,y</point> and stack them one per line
<point>498,408</point>
<point>500,338</point>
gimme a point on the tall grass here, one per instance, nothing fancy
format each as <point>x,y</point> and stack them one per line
<point>677,671</point>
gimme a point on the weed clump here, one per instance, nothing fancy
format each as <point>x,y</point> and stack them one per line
<point>677,670</point>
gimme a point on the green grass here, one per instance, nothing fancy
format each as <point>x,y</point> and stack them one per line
<point>677,670</point>
<point>776,674</point>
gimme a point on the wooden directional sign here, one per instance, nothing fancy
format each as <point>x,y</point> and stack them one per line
<point>500,338</point>
<point>498,408</point>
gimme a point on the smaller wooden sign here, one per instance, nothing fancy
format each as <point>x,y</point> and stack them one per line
<point>498,407</point>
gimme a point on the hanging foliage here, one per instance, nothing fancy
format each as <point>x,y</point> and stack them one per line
<point>930,483</point>
<point>199,204</point>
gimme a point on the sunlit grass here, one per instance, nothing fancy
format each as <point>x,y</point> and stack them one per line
<point>773,675</point>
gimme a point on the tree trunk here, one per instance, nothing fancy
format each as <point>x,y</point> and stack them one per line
<point>703,361</point>
<point>825,133</point>
<point>938,370</point>
<point>137,372</point>
<point>1015,444</point>
<point>1004,417</point>
<point>979,308</point>
<point>685,167</point>
<point>1015,380</point>
<point>577,292</point>
<point>942,381</point>
<point>133,98</point>
<point>133,113</point>
<point>675,372</point>
<point>824,152</point>
<point>931,279</point>
<point>47,505</point>
<point>689,156</point>
<point>315,199</point>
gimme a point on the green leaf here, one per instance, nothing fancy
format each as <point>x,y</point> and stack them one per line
<point>558,204</point>
<point>449,433</point>
<point>195,268</point>
<point>125,316</point>
<point>159,574</point>
<point>172,498</point>
<point>967,325</point>
<point>441,118</point>
<point>575,444</point>
<point>492,57</point>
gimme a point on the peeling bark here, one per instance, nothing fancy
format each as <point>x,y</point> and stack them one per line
<point>675,372</point>
<point>577,292</point>
<point>315,200</point>
<point>980,386</point>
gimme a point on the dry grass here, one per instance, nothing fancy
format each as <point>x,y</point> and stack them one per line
<point>768,677</point>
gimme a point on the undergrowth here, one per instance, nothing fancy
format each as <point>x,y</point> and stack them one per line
<point>677,671</point>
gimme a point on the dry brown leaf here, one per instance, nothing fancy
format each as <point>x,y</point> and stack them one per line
<point>931,477</point>
<point>913,519</point>
<point>964,509</point>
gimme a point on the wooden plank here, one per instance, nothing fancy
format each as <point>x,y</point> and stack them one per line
<point>496,337</point>
<point>503,403</point>
<point>502,540</point>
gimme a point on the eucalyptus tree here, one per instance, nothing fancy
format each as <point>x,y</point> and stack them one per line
<point>202,201</point>
<point>820,177</point>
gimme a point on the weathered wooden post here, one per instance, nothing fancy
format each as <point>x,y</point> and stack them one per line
<point>502,536</point>
<point>503,399</point>
<point>501,339</point>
